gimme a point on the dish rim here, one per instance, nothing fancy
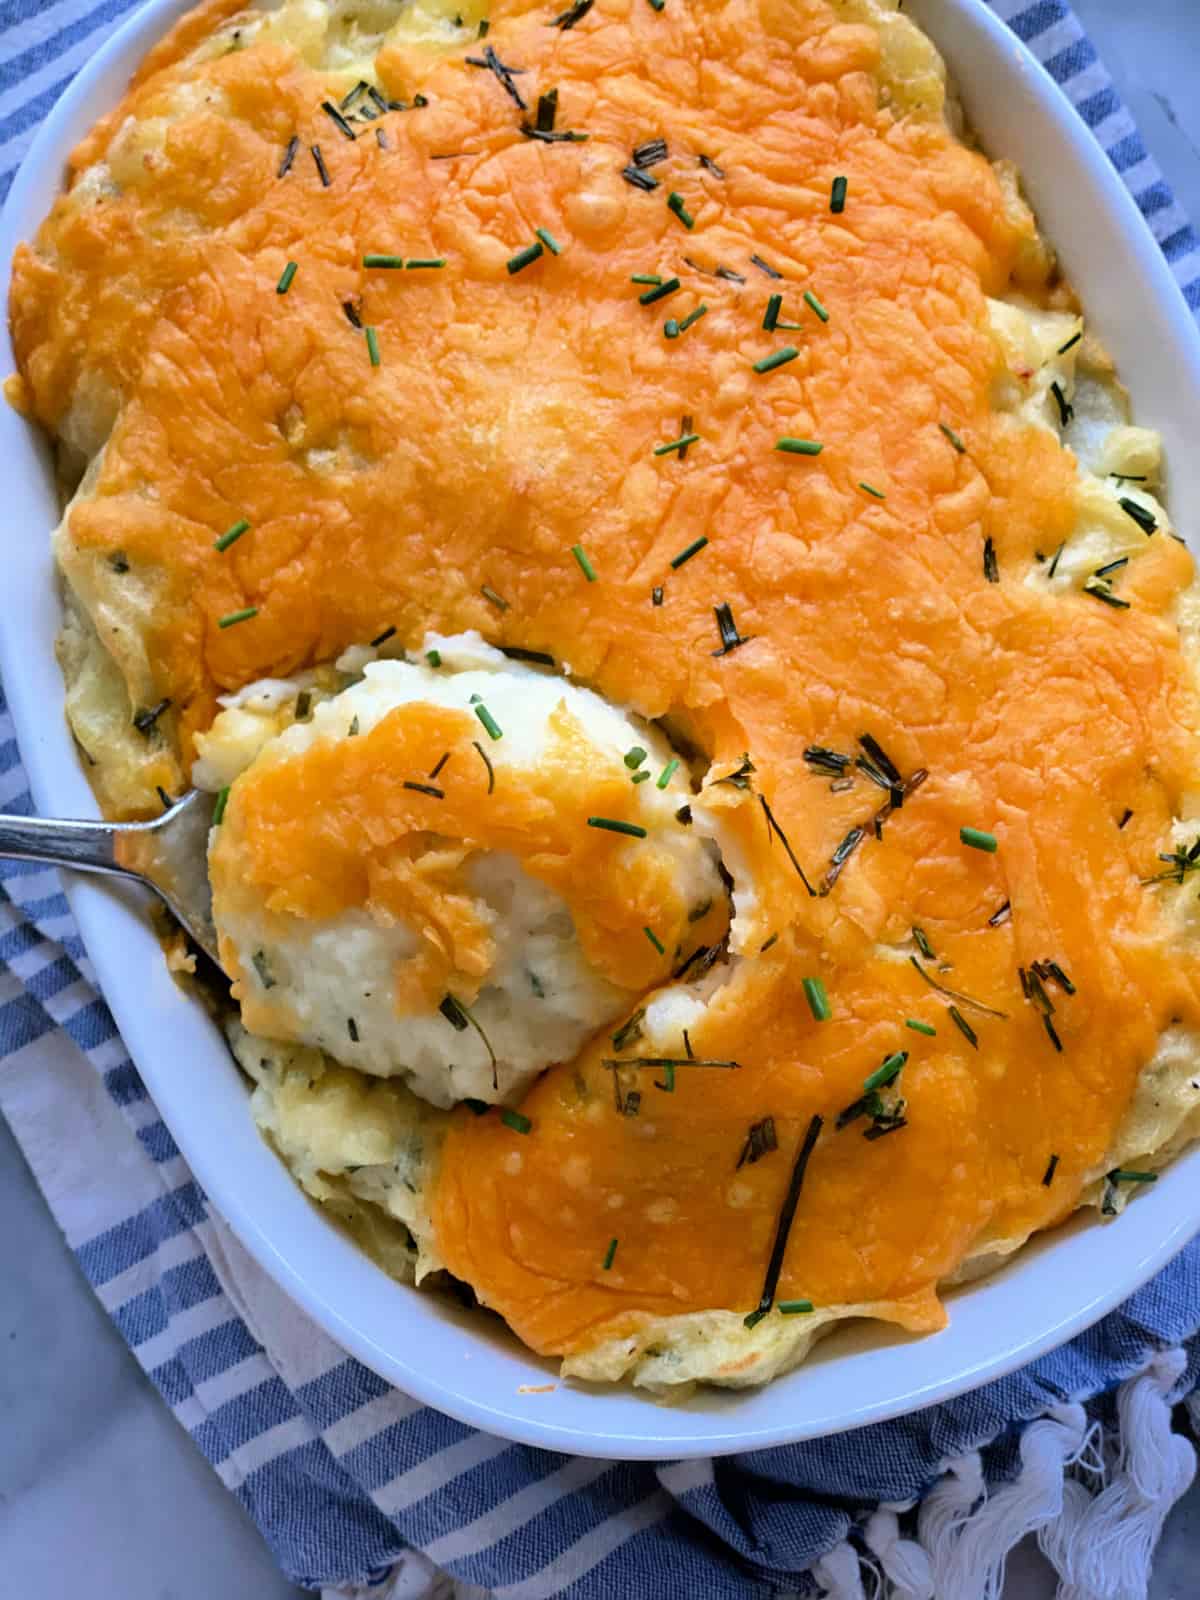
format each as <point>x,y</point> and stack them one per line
<point>267,1211</point>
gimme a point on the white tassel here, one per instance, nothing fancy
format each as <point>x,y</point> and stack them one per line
<point>1102,1545</point>
<point>840,1574</point>
<point>968,1552</point>
<point>904,1564</point>
<point>948,1505</point>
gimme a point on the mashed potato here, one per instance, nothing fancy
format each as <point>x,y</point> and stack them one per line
<point>465,926</point>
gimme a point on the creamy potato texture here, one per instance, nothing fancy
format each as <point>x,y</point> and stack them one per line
<point>701,356</point>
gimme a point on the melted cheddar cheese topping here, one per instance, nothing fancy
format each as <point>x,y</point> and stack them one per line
<point>896,586</point>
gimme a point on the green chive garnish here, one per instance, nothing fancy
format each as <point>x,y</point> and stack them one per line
<point>372,345</point>
<point>609,1254</point>
<point>876,494</point>
<point>633,758</point>
<point>655,941</point>
<point>818,1000</point>
<point>677,444</point>
<point>494,729</point>
<point>811,300</point>
<point>549,241</point>
<point>777,358</point>
<point>611,825</point>
<point>434,657</point>
<point>667,773</point>
<point>218,815</point>
<point>285,278</point>
<point>774,306</point>
<point>646,277</point>
<point>837,196</point>
<point>794,1308</point>
<point>1125,1175</point>
<point>676,204</point>
<point>425,263</point>
<point>641,777</point>
<point>689,551</point>
<point>525,258</point>
<point>693,316</point>
<point>979,840</point>
<point>232,535</point>
<point>920,1027</point>
<point>799,447</point>
<point>657,5</point>
<point>244,615</point>
<point>383,261</point>
<point>953,438</point>
<point>885,1072</point>
<point>671,328</point>
<point>659,292</point>
<point>515,1120</point>
<point>585,565</point>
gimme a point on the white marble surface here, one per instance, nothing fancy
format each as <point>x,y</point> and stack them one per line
<point>101,1493</point>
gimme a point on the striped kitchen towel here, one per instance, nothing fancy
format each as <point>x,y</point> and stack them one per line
<point>361,1491</point>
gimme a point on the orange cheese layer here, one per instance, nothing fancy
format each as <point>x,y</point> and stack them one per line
<point>514,415</point>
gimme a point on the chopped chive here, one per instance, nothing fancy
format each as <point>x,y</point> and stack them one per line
<point>285,278</point>
<point>876,494</point>
<point>794,1308</point>
<point>753,1318</point>
<point>547,112</point>
<point>634,757</point>
<point>568,19</point>
<point>1048,1175</point>
<point>641,777</point>
<point>777,358</point>
<point>954,994</point>
<point>494,731</point>
<point>763,266</point>
<point>886,1072</point>
<point>233,617</point>
<point>516,652</point>
<point>383,261</point>
<point>693,317</point>
<point>1001,915</point>
<point>710,165</point>
<point>352,1029</point>
<point>289,155</point>
<point>338,120</point>
<point>610,1253</point>
<point>454,1014</point>
<point>430,789</point>
<point>549,241</point>
<point>671,328</point>
<point>774,828</point>
<point>659,292</point>
<point>382,638</point>
<point>667,773</point>
<point>1052,1031</point>
<point>1071,342</point>
<point>525,258</point>
<point>434,657</point>
<point>372,345</point>
<point>502,74</point>
<point>675,203</point>
<point>491,771</point>
<point>218,815</point>
<point>477,1108</point>
<point>492,598</point>
<point>639,179</point>
<point>689,551</point>
<point>677,444</point>
<point>1138,513</point>
<point>814,304</point>
<point>1107,570</point>
<point>953,438</point>
<point>585,565</point>
<point>655,941</point>
<point>646,277</point>
<point>611,825</point>
<point>1053,567</point>
<point>728,629</point>
<point>656,595</point>
<point>1125,1175</point>
<point>442,760</point>
<point>921,940</point>
<point>650,153</point>
<point>657,5</point>
<point>515,1120</point>
<point>232,535</point>
<point>979,840</point>
<point>771,316</point>
<point>818,999</point>
<point>630,1031</point>
<point>787,1213</point>
<point>964,1027</point>
<point>1099,592</point>
<point>991,569</point>
<point>920,1027</point>
<point>837,196</point>
<point>424,263</point>
<point>1065,409</point>
<point>319,163</point>
<point>798,447</point>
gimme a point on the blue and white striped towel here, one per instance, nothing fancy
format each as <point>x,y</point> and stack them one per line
<point>358,1489</point>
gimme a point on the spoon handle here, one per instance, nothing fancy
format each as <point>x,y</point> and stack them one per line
<point>86,846</point>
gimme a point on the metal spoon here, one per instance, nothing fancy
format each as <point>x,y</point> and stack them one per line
<point>168,855</point>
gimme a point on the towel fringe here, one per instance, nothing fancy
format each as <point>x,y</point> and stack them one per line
<point>1097,1499</point>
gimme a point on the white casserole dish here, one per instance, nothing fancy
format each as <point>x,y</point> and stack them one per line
<point>456,1361</point>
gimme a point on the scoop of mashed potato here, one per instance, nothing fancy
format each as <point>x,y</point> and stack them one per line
<point>454,871</point>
